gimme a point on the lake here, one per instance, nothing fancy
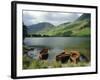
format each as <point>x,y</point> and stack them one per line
<point>56,44</point>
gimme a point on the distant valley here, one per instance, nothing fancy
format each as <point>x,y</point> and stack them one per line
<point>79,28</point>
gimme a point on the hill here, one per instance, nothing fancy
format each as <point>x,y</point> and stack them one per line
<point>39,27</point>
<point>79,27</point>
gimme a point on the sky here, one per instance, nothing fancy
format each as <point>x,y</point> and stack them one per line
<point>55,18</point>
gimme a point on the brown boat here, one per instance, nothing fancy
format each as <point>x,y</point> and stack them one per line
<point>43,55</point>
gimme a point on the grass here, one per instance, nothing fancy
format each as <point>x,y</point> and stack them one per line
<point>79,64</point>
<point>37,64</point>
<point>83,32</point>
<point>29,63</point>
<point>26,61</point>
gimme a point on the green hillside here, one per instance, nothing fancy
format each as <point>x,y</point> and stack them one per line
<point>80,27</point>
<point>77,28</point>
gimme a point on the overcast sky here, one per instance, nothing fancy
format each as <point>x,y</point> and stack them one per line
<point>56,18</point>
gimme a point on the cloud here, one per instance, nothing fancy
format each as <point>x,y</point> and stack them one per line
<point>56,18</point>
<point>27,18</point>
<point>33,17</point>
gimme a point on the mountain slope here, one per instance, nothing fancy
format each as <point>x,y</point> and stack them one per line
<point>79,27</point>
<point>39,27</point>
<point>84,16</point>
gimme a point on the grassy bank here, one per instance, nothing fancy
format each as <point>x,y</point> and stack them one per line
<point>29,63</point>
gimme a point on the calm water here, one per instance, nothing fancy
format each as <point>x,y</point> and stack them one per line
<point>55,44</point>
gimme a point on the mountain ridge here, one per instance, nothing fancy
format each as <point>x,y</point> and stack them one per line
<point>79,27</point>
<point>39,26</point>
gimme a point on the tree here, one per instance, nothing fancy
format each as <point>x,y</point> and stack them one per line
<point>68,33</point>
<point>24,31</point>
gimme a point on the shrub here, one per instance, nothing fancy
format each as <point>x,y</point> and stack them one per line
<point>26,61</point>
<point>56,64</point>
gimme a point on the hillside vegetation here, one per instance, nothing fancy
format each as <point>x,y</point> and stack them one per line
<point>79,27</point>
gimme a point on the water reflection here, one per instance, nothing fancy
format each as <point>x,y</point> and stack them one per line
<point>57,42</point>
